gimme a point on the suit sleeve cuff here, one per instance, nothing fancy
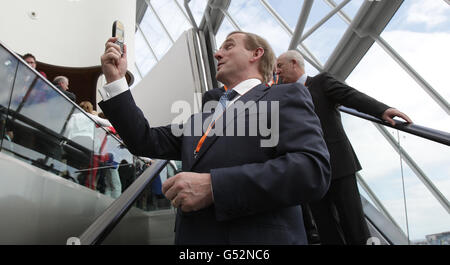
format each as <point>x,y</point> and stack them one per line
<point>229,201</point>
<point>113,89</point>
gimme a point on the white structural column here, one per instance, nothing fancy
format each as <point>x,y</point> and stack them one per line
<point>65,33</point>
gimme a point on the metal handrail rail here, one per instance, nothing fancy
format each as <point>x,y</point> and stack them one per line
<point>421,131</point>
<point>107,221</point>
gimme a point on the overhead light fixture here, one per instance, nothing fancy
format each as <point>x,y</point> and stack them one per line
<point>33,15</point>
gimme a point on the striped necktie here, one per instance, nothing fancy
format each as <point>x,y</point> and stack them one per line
<point>228,95</point>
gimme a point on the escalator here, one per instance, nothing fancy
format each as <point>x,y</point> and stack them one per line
<point>66,180</point>
<point>60,170</point>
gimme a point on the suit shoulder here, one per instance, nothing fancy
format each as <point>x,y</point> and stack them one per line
<point>325,81</point>
<point>323,76</point>
<point>213,94</point>
<point>292,90</point>
<point>215,91</point>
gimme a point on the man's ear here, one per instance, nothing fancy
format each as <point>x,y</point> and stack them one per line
<point>257,54</point>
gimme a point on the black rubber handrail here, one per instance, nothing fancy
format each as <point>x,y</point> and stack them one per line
<point>421,131</point>
<point>105,223</point>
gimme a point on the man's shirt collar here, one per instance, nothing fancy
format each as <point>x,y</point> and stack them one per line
<point>244,86</point>
<point>302,79</point>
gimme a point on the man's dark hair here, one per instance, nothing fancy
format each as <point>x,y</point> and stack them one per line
<point>25,56</point>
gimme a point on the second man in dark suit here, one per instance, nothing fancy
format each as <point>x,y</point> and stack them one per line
<point>339,215</point>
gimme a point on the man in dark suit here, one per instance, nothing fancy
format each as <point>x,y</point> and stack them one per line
<point>339,215</point>
<point>233,189</point>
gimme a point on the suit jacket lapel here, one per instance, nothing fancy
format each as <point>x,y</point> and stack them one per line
<point>253,95</point>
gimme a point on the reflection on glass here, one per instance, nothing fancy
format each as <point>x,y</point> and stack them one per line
<point>8,65</point>
<point>79,130</point>
<point>45,129</point>
<point>34,98</point>
<point>152,198</point>
<point>107,159</point>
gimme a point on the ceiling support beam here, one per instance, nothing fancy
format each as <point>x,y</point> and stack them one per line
<point>371,19</point>
<point>302,19</point>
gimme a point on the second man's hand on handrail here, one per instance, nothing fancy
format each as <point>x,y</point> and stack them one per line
<point>391,113</point>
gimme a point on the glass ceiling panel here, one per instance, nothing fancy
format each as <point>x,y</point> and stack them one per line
<point>226,27</point>
<point>171,16</point>
<point>352,8</point>
<point>224,30</point>
<point>175,22</point>
<point>197,8</point>
<point>144,58</point>
<point>420,33</point>
<point>260,22</point>
<point>287,9</point>
<point>318,11</point>
<point>155,34</point>
<point>379,76</point>
<point>310,70</point>
<point>323,41</point>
